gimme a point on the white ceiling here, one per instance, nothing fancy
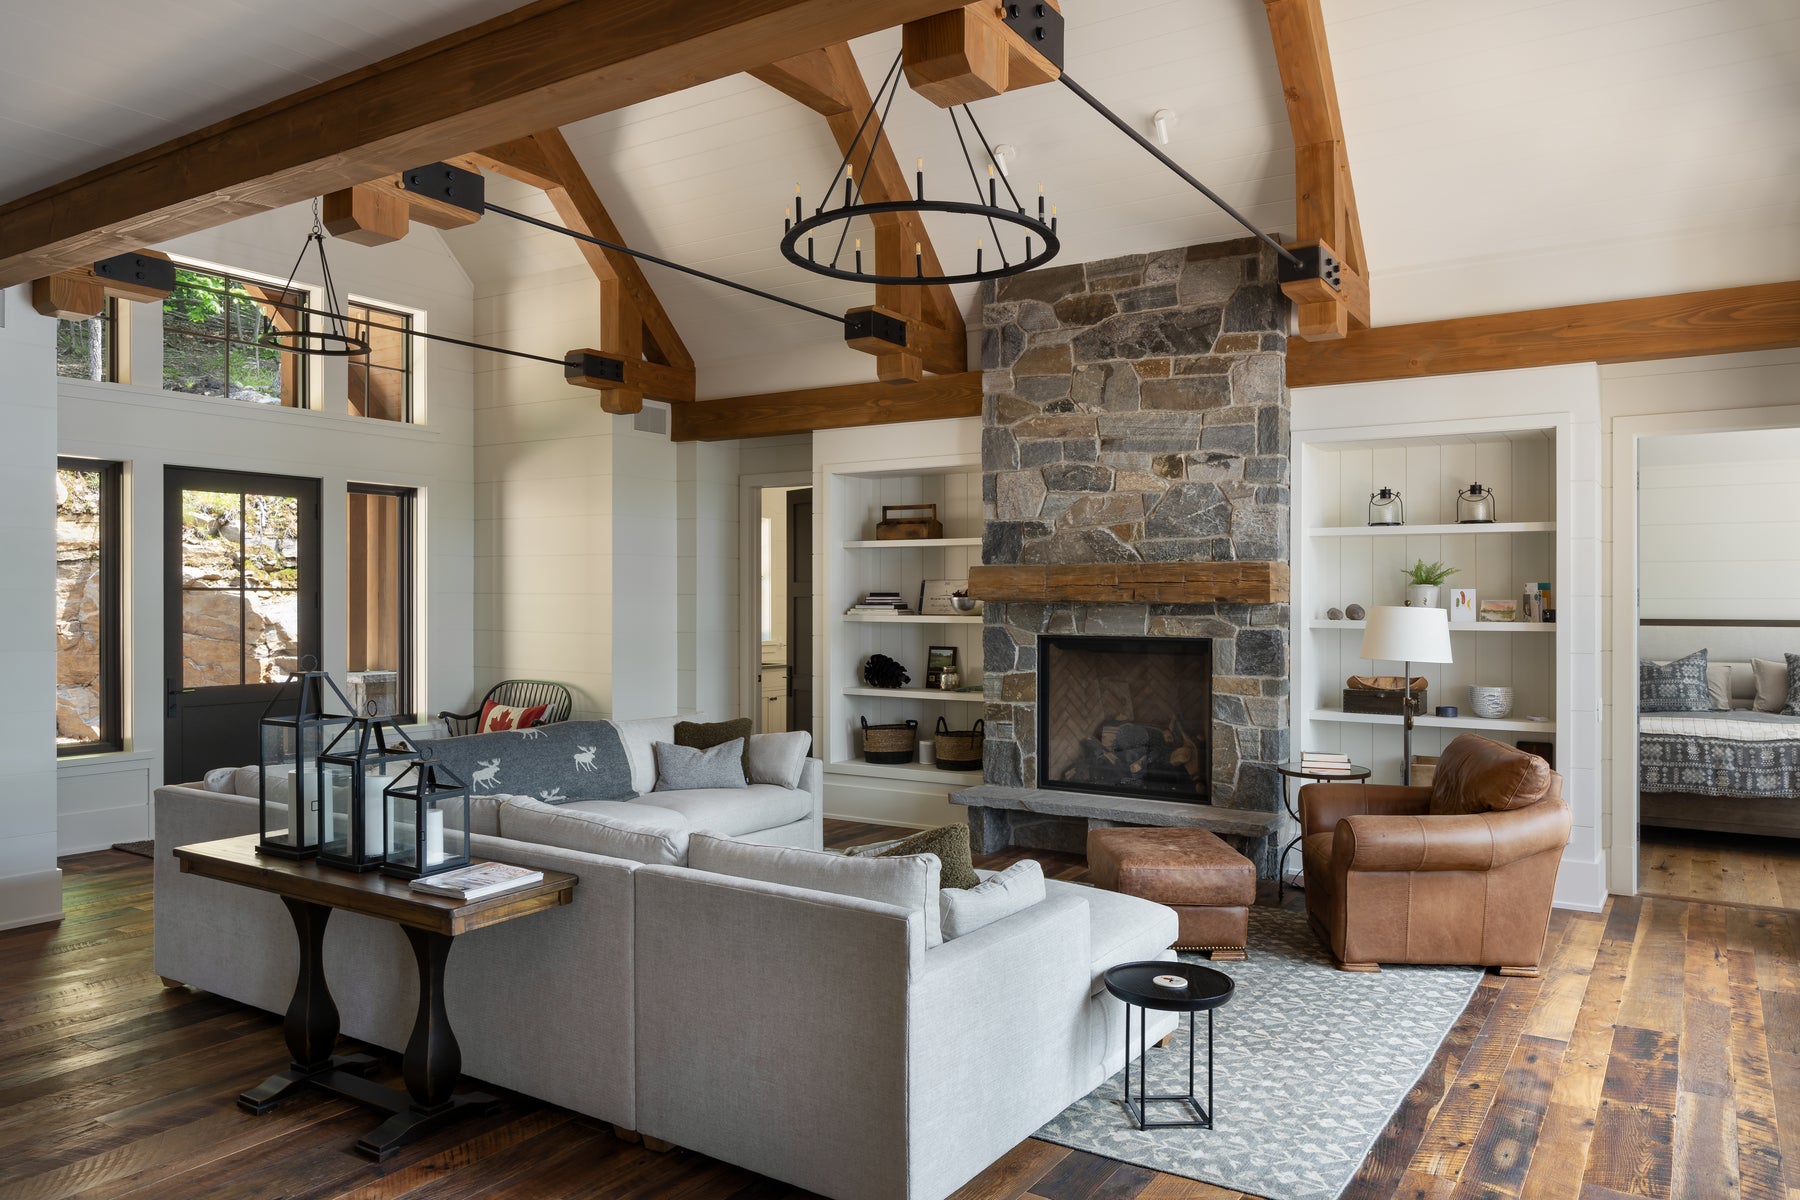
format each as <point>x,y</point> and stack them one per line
<point>1482,135</point>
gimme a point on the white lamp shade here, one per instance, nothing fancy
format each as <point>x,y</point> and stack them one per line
<point>1396,634</point>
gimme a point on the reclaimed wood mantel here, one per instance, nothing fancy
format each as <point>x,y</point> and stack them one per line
<point>1135,583</point>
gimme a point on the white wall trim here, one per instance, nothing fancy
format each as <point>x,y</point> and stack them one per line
<point>38,893</point>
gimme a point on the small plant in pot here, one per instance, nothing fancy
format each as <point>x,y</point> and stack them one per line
<point>1422,582</point>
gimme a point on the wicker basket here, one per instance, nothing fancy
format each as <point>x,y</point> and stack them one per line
<point>959,750</point>
<point>889,743</point>
<point>1424,769</point>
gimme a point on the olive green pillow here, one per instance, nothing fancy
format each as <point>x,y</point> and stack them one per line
<point>704,735</point>
<point>949,842</point>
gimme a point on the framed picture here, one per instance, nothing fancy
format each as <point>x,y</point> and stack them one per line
<point>1462,604</point>
<point>934,597</point>
<point>1498,610</point>
<point>938,659</point>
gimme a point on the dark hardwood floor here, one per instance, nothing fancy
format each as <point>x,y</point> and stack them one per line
<point>1658,1056</point>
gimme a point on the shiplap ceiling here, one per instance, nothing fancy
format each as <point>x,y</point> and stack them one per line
<point>1478,130</point>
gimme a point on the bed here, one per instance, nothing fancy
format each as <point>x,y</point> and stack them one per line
<point>1734,770</point>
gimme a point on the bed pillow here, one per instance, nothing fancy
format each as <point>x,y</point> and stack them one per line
<point>1678,686</point>
<point>1792,708</point>
<point>1718,686</point>
<point>1771,685</point>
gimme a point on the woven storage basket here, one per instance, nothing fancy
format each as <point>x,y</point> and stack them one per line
<point>959,750</point>
<point>889,743</point>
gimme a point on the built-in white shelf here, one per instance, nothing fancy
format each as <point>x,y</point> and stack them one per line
<point>913,543</point>
<point>917,693</point>
<point>1508,724</point>
<point>1324,531</point>
<point>911,619</point>
<point>915,772</point>
<point>1455,627</point>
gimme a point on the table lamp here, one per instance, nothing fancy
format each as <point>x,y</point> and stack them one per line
<point>1407,636</point>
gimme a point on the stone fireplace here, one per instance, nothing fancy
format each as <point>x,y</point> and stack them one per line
<point>1135,446</point>
<point>1126,716</point>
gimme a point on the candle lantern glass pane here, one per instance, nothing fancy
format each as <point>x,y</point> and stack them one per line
<point>353,773</point>
<point>295,730</point>
<point>428,813</point>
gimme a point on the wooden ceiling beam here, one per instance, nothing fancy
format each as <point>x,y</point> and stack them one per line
<point>1725,321</point>
<point>544,160</point>
<point>541,66</point>
<point>636,377</point>
<point>829,82</point>
<point>971,54</point>
<point>1324,200</point>
<point>366,215</point>
<point>936,397</point>
<point>68,296</point>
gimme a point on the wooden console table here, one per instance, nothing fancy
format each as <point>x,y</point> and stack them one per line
<point>433,1061</point>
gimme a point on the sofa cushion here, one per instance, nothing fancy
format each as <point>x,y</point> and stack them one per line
<point>735,811</point>
<point>222,779</point>
<point>777,758</point>
<point>994,899</point>
<point>1121,928</point>
<point>704,735</point>
<point>949,842</point>
<point>1477,774</point>
<point>682,768</point>
<point>526,820</point>
<point>641,816</point>
<point>638,738</point>
<point>910,883</point>
<point>571,760</point>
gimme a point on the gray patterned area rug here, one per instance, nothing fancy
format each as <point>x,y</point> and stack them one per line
<point>1310,1062</point>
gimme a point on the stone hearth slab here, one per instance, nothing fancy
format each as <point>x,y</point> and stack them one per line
<point>1043,819</point>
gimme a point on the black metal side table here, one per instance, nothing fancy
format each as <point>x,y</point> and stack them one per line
<point>1201,989</point>
<point>1294,770</point>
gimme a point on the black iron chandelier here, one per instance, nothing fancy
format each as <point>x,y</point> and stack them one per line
<point>334,340</point>
<point>1040,241</point>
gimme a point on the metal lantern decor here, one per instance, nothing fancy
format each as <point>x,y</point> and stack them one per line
<point>1477,505</point>
<point>425,802</point>
<point>293,732</point>
<point>1386,508</point>
<point>354,770</point>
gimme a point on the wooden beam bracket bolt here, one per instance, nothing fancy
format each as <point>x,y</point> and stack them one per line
<point>1316,262</point>
<point>441,186</point>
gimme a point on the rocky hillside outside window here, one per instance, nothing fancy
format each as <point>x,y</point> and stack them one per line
<point>87,606</point>
<point>212,323</point>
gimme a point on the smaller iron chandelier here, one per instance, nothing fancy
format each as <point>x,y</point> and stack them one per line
<point>335,340</point>
<point>1041,243</point>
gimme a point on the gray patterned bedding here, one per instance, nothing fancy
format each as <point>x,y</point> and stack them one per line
<point>1735,753</point>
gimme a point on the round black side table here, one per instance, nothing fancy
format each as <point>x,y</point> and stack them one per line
<point>1203,989</point>
<point>1294,770</point>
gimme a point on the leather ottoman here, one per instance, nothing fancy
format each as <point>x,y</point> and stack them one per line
<point>1208,884</point>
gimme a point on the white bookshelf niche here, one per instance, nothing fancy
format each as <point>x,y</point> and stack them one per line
<point>856,562</point>
<point>1340,560</point>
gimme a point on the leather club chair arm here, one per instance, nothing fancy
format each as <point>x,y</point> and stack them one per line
<point>1323,805</point>
<point>1471,842</point>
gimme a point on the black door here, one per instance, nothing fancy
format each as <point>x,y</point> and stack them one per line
<point>800,611</point>
<point>241,608</point>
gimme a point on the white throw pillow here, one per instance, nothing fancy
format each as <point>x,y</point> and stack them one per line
<point>527,820</point>
<point>247,781</point>
<point>638,737</point>
<point>221,779</point>
<point>778,758</point>
<point>1013,890</point>
<point>1718,685</point>
<point>909,881</point>
<point>1771,685</point>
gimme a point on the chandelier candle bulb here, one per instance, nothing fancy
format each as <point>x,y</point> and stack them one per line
<point>859,254</point>
<point>919,259</point>
<point>992,199</point>
<point>1040,202</point>
<point>977,254</point>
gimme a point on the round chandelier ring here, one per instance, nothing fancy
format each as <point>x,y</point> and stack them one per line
<point>319,343</point>
<point>830,217</point>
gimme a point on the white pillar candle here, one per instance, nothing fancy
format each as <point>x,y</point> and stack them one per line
<point>434,836</point>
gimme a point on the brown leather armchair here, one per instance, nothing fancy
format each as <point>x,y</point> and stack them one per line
<point>1459,872</point>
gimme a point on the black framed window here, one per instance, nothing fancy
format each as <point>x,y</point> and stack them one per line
<point>380,580</point>
<point>90,349</point>
<point>211,325</point>
<point>381,380</point>
<point>87,606</point>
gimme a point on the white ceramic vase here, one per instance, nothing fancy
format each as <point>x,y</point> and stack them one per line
<point>1421,595</point>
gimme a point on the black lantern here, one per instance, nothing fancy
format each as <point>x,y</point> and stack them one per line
<point>353,772</point>
<point>293,732</point>
<point>424,806</point>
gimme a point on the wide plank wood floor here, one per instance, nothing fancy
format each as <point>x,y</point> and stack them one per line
<point>1723,868</point>
<point>1659,1056</point>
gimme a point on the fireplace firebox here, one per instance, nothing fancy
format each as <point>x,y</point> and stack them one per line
<point>1130,716</point>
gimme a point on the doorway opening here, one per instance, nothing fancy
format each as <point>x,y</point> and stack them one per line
<point>780,633</point>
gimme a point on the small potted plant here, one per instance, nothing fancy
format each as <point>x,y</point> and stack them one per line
<point>1422,582</point>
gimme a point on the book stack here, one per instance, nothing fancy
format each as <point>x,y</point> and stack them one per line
<point>889,602</point>
<point>1325,762</point>
<point>476,880</point>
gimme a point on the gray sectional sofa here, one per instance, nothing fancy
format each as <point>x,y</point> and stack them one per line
<point>809,1035</point>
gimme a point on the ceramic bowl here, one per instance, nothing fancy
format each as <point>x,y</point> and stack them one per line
<point>1490,702</point>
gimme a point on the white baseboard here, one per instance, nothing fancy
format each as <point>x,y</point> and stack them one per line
<point>83,832</point>
<point>1581,885</point>
<point>33,899</point>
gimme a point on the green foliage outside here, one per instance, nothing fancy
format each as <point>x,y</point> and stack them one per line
<point>211,324</point>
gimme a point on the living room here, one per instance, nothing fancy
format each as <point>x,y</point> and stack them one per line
<point>1169,435</point>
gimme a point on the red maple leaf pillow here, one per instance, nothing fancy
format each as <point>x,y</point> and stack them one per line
<point>498,718</point>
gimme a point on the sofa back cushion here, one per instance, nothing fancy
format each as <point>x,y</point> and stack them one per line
<point>1477,774</point>
<point>610,834</point>
<point>994,899</point>
<point>910,883</point>
<point>571,760</point>
<point>777,758</point>
<point>639,738</point>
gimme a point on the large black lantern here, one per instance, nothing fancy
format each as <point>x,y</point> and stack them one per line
<point>355,769</point>
<point>294,731</point>
<point>424,807</point>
